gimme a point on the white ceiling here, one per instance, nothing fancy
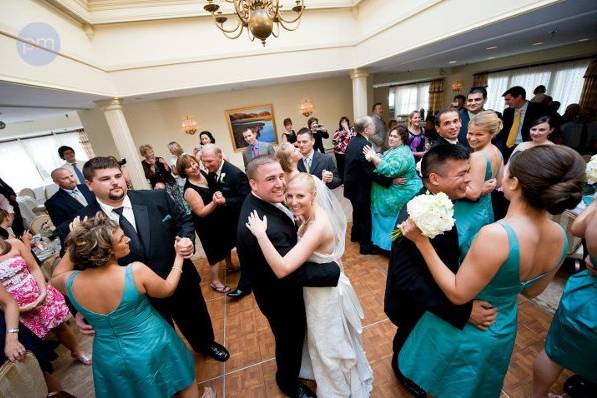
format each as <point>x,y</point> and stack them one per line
<point>556,25</point>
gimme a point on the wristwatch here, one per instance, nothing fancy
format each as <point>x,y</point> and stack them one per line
<point>13,330</point>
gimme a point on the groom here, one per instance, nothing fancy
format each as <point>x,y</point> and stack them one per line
<point>280,300</point>
<point>410,288</point>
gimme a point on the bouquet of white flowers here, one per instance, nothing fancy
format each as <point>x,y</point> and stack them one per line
<point>591,170</point>
<point>432,214</point>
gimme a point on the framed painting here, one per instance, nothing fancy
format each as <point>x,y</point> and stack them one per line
<point>259,118</point>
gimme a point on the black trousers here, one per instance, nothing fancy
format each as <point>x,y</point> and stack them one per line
<point>187,308</point>
<point>361,223</point>
<point>286,317</point>
<point>340,164</point>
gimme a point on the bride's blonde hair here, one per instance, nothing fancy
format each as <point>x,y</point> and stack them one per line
<point>306,178</point>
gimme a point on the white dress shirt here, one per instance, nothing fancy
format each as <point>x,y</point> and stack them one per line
<point>127,212</point>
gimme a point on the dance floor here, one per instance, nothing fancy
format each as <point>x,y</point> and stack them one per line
<point>249,372</point>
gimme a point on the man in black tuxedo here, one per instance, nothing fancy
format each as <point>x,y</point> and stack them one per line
<point>280,300</point>
<point>17,224</point>
<point>233,184</point>
<point>154,225</point>
<point>410,288</point>
<point>475,103</point>
<point>447,125</point>
<point>64,205</point>
<point>518,118</point>
<point>358,175</point>
<point>321,165</point>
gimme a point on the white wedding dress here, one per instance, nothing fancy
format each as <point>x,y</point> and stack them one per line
<point>333,353</point>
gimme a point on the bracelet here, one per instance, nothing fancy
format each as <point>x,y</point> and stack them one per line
<point>12,330</point>
<point>177,269</point>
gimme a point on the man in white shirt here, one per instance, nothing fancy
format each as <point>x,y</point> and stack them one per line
<point>76,167</point>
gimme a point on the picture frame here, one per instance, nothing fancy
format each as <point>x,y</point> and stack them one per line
<point>260,118</point>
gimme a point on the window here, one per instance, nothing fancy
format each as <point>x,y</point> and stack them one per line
<point>407,98</point>
<point>563,82</point>
<point>28,162</point>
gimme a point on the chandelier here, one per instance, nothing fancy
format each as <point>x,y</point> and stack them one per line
<point>189,125</point>
<point>262,18</point>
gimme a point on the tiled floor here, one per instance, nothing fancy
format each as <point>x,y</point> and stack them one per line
<point>251,368</point>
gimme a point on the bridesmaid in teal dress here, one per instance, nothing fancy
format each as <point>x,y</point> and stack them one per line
<point>572,338</point>
<point>398,161</point>
<point>475,210</point>
<point>506,258</point>
<point>136,353</point>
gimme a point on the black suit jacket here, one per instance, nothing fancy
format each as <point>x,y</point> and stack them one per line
<point>358,172</point>
<point>410,287</point>
<point>62,207</point>
<point>158,222</point>
<point>319,163</point>
<point>273,294</point>
<point>533,112</point>
<point>234,185</point>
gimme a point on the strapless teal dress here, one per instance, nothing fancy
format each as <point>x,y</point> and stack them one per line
<point>471,216</point>
<point>449,362</point>
<point>572,338</point>
<point>136,353</point>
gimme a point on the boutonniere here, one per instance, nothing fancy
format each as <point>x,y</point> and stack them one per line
<point>221,178</point>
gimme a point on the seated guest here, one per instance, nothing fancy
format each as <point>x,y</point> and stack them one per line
<point>136,352</point>
<point>416,135</point>
<point>158,172</point>
<point>358,177</point>
<point>321,165</point>
<point>572,338</point>
<point>42,307</point>
<point>475,210</point>
<point>521,253</point>
<point>75,166</point>
<point>340,140</point>
<point>398,161</point>
<point>410,289</point>
<point>518,118</point>
<point>11,195</point>
<point>288,135</point>
<point>17,338</point>
<point>540,131</point>
<point>319,133</point>
<point>255,148</point>
<point>69,199</point>
<point>208,218</point>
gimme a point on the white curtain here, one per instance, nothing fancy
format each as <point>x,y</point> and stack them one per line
<point>28,162</point>
<point>408,98</point>
<point>563,82</point>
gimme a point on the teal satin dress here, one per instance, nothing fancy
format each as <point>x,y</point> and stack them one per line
<point>572,338</point>
<point>449,362</point>
<point>471,216</point>
<point>387,202</point>
<point>136,353</point>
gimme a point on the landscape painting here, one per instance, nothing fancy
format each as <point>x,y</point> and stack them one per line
<point>259,118</point>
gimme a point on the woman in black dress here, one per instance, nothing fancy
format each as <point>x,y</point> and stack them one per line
<point>216,239</point>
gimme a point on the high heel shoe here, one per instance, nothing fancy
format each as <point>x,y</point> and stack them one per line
<point>83,358</point>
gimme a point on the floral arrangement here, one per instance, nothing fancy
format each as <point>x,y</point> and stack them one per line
<point>591,170</point>
<point>432,214</point>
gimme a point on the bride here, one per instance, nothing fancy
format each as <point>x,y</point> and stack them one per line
<point>333,354</point>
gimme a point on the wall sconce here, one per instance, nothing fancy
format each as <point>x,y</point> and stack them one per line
<point>457,86</point>
<point>189,125</point>
<point>307,108</point>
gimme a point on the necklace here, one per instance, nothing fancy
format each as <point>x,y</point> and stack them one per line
<point>304,225</point>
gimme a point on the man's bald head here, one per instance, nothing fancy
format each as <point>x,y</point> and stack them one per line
<point>64,178</point>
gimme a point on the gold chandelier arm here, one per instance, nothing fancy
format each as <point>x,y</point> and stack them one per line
<point>298,17</point>
<point>234,36</point>
<point>290,28</point>
<point>238,26</point>
<point>242,10</point>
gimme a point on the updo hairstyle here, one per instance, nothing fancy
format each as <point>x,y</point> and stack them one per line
<point>283,154</point>
<point>487,121</point>
<point>90,243</point>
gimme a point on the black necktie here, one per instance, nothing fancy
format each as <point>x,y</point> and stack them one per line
<point>130,231</point>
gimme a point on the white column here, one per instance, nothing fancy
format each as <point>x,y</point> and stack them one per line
<point>359,92</point>
<point>124,141</point>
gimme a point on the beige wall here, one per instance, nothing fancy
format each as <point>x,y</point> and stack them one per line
<point>158,122</point>
<point>465,73</point>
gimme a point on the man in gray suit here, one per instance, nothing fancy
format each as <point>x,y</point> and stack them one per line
<point>255,148</point>
<point>321,165</point>
<point>378,139</point>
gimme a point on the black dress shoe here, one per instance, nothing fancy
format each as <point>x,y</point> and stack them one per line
<point>238,293</point>
<point>217,352</point>
<point>578,387</point>
<point>369,249</point>
<point>302,391</point>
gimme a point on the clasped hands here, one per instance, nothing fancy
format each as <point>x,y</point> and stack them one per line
<point>327,176</point>
<point>218,198</point>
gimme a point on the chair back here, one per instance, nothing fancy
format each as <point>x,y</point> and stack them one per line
<point>27,192</point>
<point>22,379</point>
<point>38,223</point>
